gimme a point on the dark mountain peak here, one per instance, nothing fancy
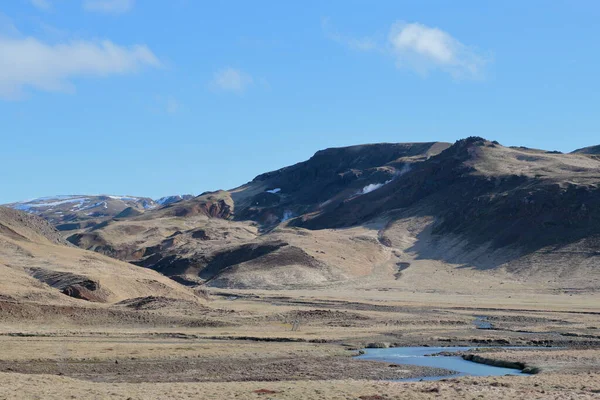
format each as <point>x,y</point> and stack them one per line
<point>474,140</point>
<point>468,147</point>
<point>336,160</point>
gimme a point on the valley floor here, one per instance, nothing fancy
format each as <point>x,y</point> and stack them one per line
<point>296,344</point>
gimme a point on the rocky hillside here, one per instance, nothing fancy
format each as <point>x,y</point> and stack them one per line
<point>329,177</point>
<point>361,212</point>
<point>220,237</point>
<point>510,202</point>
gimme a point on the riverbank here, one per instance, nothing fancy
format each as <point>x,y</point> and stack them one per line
<point>516,365</point>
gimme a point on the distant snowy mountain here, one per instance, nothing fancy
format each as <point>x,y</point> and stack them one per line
<point>71,213</point>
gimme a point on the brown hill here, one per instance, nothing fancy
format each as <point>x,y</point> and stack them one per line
<point>363,213</point>
<point>37,265</point>
<point>215,237</point>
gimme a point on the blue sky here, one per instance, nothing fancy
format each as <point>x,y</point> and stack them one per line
<point>152,98</point>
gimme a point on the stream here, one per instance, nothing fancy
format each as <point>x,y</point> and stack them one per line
<point>421,356</point>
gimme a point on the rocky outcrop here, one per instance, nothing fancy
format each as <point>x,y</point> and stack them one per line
<point>214,204</point>
<point>72,285</point>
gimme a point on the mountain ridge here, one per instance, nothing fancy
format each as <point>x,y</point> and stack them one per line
<point>358,212</point>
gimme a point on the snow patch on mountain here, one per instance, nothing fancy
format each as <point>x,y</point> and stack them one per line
<point>163,201</point>
<point>374,186</point>
<point>124,198</point>
<point>27,206</point>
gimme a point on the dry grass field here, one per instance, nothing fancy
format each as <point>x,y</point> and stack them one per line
<point>243,345</point>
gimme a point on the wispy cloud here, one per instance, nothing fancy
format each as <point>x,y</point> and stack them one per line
<point>231,80</point>
<point>420,48</point>
<point>43,5</point>
<point>361,44</point>
<point>30,63</point>
<point>108,6</point>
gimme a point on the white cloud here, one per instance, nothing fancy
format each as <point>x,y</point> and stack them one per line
<point>231,80</point>
<point>420,48</point>
<point>27,62</point>
<point>424,48</point>
<point>108,6</point>
<point>41,4</point>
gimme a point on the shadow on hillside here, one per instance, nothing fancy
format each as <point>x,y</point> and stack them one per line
<point>470,250</point>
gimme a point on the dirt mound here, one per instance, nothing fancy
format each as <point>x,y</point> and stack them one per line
<point>159,302</point>
<point>129,212</point>
<point>247,252</point>
<point>148,302</point>
<point>288,267</point>
<point>322,317</point>
<point>95,241</point>
<point>49,315</point>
